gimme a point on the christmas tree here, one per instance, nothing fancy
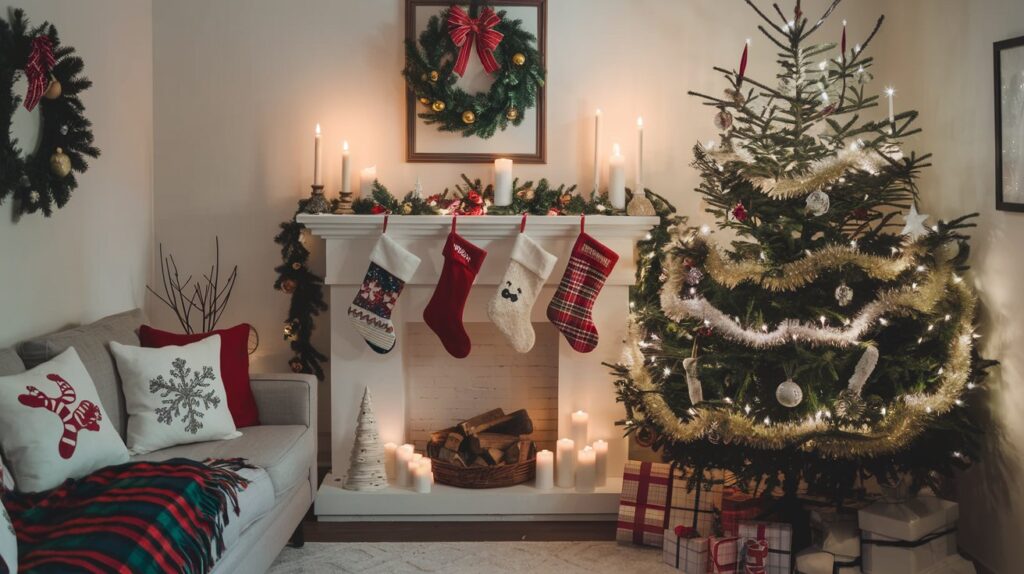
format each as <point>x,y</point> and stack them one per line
<point>366,464</point>
<point>830,336</point>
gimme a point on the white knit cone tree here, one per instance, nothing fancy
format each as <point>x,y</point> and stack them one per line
<point>366,464</point>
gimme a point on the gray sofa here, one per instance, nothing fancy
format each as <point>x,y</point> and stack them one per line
<point>284,445</point>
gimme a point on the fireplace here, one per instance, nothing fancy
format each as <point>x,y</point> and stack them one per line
<point>414,386</point>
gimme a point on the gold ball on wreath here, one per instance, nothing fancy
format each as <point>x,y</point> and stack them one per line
<point>296,266</point>
<point>438,106</point>
<point>425,101</point>
<point>289,285</point>
<point>468,117</point>
<point>60,163</point>
<point>519,58</point>
<point>512,113</point>
<point>406,208</point>
<point>54,90</point>
<point>434,75</point>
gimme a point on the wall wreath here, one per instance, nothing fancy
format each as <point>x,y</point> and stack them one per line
<point>44,177</point>
<point>506,50</point>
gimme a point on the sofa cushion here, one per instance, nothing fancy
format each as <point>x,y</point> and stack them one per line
<point>284,451</point>
<point>91,341</point>
<point>10,362</point>
<point>253,503</point>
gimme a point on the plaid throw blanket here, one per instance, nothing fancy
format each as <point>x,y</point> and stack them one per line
<point>139,517</point>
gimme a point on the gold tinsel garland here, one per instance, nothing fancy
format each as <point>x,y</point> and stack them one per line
<point>800,273</point>
<point>904,420</point>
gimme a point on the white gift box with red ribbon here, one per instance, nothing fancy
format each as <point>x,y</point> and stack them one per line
<point>689,555</point>
<point>766,547</point>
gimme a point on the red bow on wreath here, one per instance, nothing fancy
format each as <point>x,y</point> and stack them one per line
<point>37,69</point>
<point>465,30</point>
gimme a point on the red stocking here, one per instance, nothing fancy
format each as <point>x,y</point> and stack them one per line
<point>462,261</point>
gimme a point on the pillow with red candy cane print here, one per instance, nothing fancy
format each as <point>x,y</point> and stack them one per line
<point>53,426</point>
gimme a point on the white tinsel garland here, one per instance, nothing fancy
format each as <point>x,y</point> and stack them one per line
<point>865,366</point>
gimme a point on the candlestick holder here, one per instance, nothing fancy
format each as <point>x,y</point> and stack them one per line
<point>317,203</point>
<point>640,205</point>
<point>344,203</point>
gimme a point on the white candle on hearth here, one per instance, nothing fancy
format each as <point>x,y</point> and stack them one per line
<point>639,156</point>
<point>545,470</point>
<point>421,479</point>
<point>403,455</point>
<point>601,461</point>
<point>317,174</point>
<point>346,169</point>
<point>428,463</point>
<point>366,178</point>
<point>502,182</point>
<point>580,427</point>
<point>565,463</point>
<point>617,178</point>
<point>586,470</point>
<point>597,152</point>
<point>390,449</point>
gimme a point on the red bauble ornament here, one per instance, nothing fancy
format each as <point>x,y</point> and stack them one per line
<point>378,209</point>
<point>295,364</point>
<point>739,212</point>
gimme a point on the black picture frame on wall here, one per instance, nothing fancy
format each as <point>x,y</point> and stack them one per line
<point>1008,70</point>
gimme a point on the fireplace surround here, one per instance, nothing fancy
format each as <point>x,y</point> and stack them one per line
<point>582,382</point>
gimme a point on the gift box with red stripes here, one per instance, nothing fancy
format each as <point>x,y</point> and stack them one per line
<point>643,503</point>
<point>693,503</point>
<point>766,547</point>
<point>738,506</point>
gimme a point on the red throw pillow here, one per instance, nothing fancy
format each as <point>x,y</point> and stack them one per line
<point>234,365</point>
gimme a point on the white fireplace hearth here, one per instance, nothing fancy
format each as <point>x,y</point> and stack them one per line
<point>413,386</point>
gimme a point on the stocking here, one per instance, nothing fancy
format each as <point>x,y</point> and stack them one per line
<point>570,309</point>
<point>511,306</point>
<point>391,265</point>
<point>462,261</point>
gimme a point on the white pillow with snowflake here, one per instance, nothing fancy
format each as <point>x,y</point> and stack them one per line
<point>174,395</point>
<point>53,426</point>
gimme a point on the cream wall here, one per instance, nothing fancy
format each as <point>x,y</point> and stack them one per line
<point>946,73</point>
<point>239,85</point>
<point>91,258</point>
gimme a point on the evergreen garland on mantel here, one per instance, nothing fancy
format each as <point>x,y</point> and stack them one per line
<point>470,197</point>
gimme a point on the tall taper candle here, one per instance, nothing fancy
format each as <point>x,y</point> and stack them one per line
<point>390,449</point>
<point>601,465</point>
<point>597,152</point>
<point>502,182</point>
<point>565,463</point>
<point>579,427</point>
<point>317,175</point>
<point>346,169</point>
<point>586,475</point>
<point>366,178</point>
<point>617,178</point>
<point>890,91</point>
<point>545,470</point>
<point>639,156</point>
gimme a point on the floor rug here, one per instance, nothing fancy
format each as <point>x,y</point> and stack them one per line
<point>469,558</point>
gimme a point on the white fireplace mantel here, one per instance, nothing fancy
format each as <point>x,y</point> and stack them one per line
<point>583,381</point>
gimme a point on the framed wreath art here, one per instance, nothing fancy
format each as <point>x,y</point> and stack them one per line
<point>476,81</point>
<point>40,173</point>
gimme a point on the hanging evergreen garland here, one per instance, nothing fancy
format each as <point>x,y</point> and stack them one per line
<point>46,177</point>
<point>506,50</point>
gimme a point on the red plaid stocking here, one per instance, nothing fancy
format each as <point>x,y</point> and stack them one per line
<point>570,309</point>
<point>462,261</point>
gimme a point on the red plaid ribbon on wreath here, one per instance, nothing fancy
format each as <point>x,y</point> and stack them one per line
<point>465,31</point>
<point>37,69</point>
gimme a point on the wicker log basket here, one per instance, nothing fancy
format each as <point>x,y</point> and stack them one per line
<point>505,474</point>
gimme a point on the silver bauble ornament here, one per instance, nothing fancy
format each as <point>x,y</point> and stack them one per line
<point>694,276</point>
<point>948,251</point>
<point>844,294</point>
<point>818,203</point>
<point>789,394</point>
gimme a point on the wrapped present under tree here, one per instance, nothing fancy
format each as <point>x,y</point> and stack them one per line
<point>723,555</point>
<point>695,499</point>
<point>644,503</point>
<point>685,550</point>
<point>766,547</point>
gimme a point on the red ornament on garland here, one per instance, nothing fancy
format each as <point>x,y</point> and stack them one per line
<point>378,209</point>
<point>466,31</point>
<point>739,213</point>
<point>743,65</point>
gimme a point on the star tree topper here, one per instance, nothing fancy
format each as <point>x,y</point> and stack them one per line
<point>914,228</point>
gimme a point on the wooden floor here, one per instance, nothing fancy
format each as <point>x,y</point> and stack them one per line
<point>455,531</point>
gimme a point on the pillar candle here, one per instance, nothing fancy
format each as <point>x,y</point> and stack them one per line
<point>366,178</point>
<point>565,463</point>
<point>545,470</point>
<point>317,175</point>
<point>601,461</point>
<point>421,479</point>
<point>402,457</point>
<point>617,178</point>
<point>502,182</point>
<point>428,463</point>
<point>586,470</point>
<point>579,429</point>
<point>390,452</point>
<point>639,156</point>
<point>346,169</point>
<point>597,152</point>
